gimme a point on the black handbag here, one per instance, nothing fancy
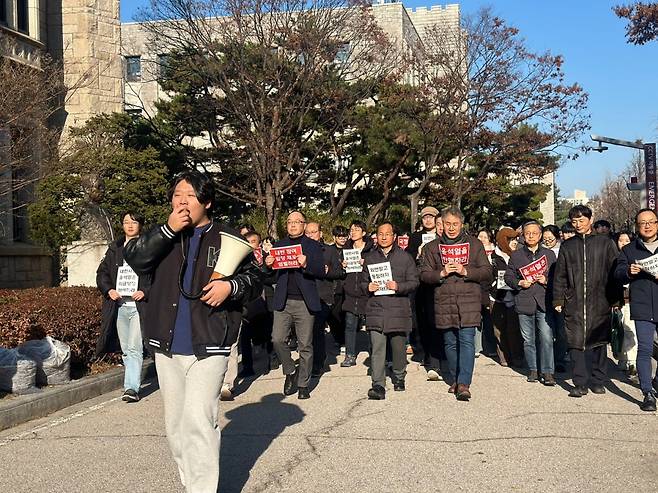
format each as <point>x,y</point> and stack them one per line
<point>616,331</point>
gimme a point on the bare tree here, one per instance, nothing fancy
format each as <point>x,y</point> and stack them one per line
<point>615,202</point>
<point>497,109</point>
<point>29,98</point>
<point>274,80</point>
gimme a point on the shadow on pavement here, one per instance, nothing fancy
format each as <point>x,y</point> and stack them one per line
<point>249,433</point>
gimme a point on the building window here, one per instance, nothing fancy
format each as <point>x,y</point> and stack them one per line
<point>343,53</point>
<point>133,68</point>
<point>3,12</point>
<point>22,16</point>
<point>163,61</point>
<point>134,112</point>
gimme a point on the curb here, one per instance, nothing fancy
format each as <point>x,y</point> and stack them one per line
<point>51,399</point>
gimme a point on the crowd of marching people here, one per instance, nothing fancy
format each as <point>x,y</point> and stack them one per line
<point>539,299</point>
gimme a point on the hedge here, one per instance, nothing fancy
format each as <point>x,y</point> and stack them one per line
<point>71,315</point>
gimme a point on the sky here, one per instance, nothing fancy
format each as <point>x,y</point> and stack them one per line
<point>621,79</point>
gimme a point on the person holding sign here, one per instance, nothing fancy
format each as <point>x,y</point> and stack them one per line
<point>354,304</point>
<point>421,300</point>
<point>391,276</point>
<point>638,265</point>
<point>456,264</point>
<point>124,295</point>
<point>529,274</point>
<point>296,302</point>
<point>584,290</point>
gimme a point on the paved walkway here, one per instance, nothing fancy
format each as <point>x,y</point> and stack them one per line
<point>512,436</point>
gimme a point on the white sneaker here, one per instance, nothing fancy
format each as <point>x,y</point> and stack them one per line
<point>433,376</point>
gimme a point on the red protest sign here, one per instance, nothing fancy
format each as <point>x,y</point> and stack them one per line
<point>258,255</point>
<point>403,241</point>
<point>534,269</point>
<point>455,254</point>
<point>286,257</point>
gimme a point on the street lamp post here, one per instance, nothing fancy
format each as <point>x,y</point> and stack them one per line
<point>650,185</point>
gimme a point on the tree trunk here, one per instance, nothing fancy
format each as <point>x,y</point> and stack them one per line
<point>271,212</point>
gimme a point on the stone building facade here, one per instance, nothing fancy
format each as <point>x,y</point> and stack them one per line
<point>85,36</point>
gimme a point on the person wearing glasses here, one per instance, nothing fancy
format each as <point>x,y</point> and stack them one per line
<point>326,288</point>
<point>355,301</point>
<point>122,311</point>
<point>296,302</point>
<point>551,240</point>
<point>643,298</point>
<point>388,316</point>
<point>457,272</point>
<point>584,291</point>
<point>530,301</point>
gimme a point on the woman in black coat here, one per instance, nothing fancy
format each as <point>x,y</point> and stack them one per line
<point>124,295</point>
<point>354,304</point>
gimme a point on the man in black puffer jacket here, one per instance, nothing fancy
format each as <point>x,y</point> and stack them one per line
<point>584,290</point>
<point>388,316</point>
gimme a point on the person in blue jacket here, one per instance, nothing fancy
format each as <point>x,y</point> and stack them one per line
<point>644,298</point>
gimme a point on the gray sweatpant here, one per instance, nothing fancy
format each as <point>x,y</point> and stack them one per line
<point>190,390</point>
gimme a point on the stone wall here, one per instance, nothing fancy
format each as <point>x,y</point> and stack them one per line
<point>25,266</point>
<point>86,35</point>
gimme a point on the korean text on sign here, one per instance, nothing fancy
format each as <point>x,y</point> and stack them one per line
<point>127,281</point>
<point>380,274</point>
<point>352,257</point>
<point>286,257</point>
<point>534,269</point>
<point>455,254</point>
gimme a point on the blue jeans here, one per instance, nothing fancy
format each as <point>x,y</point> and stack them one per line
<point>130,338</point>
<point>645,331</point>
<point>530,325</point>
<point>352,323</point>
<point>460,353</point>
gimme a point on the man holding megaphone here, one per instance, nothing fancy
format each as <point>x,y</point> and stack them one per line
<point>192,318</point>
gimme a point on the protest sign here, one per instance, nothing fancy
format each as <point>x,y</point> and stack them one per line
<point>500,281</point>
<point>381,273</point>
<point>534,269</point>
<point>258,255</point>
<point>649,264</point>
<point>455,254</point>
<point>127,281</point>
<point>427,237</point>
<point>286,257</point>
<point>403,241</point>
<point>353,258</point>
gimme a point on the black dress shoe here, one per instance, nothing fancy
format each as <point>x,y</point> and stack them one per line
<point>303,393</point>
<point>377,393</point>
<point>597,389</point>
<point>649,403</point>
<point>578,391</point>
<point>290,385</point>
<point>398,386</point>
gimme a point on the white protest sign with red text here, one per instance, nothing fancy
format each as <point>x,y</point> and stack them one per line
<point>455,254</point>
<point>534,269</point>
<point>286,257</point>
<point>403,241</point>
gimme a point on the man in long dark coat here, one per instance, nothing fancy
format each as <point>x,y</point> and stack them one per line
<point>584,290</point>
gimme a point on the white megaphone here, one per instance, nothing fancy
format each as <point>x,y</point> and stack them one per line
<point>233,251</point>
